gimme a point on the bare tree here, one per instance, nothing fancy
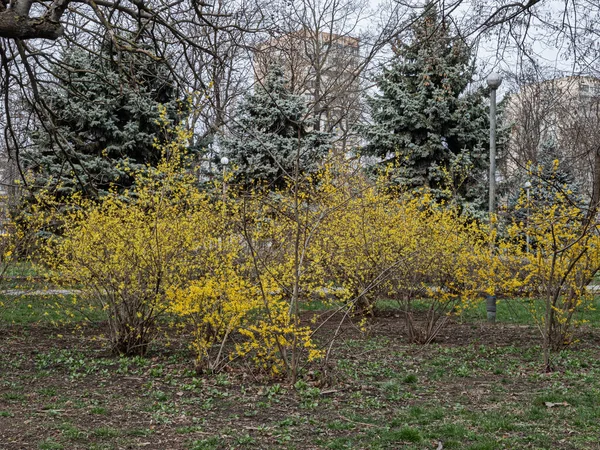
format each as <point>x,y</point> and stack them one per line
<point>196,41</point>
<point>562,112</point>
<point>325,47</point>
<point>207,46</point>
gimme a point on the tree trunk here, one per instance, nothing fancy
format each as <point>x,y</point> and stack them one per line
<point>593,209</point>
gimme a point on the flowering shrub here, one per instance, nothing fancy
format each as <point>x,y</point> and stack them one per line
<point>168,248</point>
<point>126,252</point>
<point>385,244</point>
<point>553,271</point>
<point>236,268</point>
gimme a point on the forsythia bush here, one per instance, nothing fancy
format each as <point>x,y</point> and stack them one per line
<point>216,305</point>
<point>553,275</point>
<point>384,244</point>
<point>235,267</point>
<point>168,248</point>
<point>21,227</point>
<point>126,252</point>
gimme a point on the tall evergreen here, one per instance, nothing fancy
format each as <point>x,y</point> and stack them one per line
<point>107,114</point>
<point>272,140</point>
<point>425,121</point>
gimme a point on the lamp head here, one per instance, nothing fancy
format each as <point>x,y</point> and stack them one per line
<point>494,80</point>
<point>224,160</point>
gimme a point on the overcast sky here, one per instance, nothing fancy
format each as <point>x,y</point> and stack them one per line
<point>561,36</point>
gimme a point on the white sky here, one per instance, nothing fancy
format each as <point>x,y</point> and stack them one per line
<point>547,41</point>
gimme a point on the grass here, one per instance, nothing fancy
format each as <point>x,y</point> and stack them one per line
<point>67,392</point>
<point>24,300</point>
<point>44,309</point>
<point>508,310</point>
<point>22,275</point>
<point>22,270</point>
<point>517,311</point>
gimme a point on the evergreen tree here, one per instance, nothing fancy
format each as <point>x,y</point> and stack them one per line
<point>107,121</point>
<point>271,140</point>
<point>425,122</point>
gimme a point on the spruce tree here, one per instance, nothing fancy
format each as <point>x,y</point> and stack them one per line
<point>425,122</point>
<point>107,118</point>
<point>271,140</point>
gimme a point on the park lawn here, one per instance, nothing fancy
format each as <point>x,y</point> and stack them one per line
<point>478,386</point>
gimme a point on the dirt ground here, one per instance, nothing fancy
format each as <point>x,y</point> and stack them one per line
<point>61,389</point>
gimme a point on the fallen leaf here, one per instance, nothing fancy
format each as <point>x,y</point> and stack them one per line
<point>329,391</point>
<point>553,405</point>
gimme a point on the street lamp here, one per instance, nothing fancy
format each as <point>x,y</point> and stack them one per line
<point>224,162</point>
<point>527,187</point>
<point>494,81</point>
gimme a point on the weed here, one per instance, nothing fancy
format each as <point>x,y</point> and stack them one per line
<point>211,443</point>
<point>410,379</point>
<point>106,432</point>
<point>72,433</point>
<point>48,392</point>
<point>50,444</point>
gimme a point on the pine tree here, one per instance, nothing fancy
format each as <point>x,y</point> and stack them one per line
<point>107,122</point>
<point>271,140</point>
<point>425,122</point>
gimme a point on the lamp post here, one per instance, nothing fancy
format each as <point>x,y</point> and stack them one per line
<point>224,162</point>
<point>527,187</point>
<point>494,81</point>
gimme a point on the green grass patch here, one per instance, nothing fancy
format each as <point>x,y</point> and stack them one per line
<point>106,432</point>
<point>50,444</point>
<point>211,443</point>
<point>518,311</point>
<point>508,310</point>
<point>45,309</point>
